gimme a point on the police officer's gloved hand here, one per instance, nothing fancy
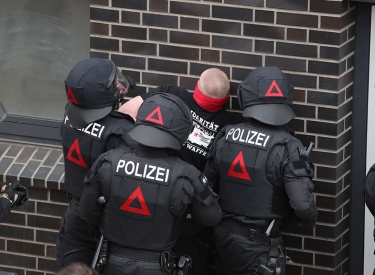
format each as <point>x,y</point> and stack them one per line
<point>10,190</point>
<point>131,82</point>
<point>23,194</point>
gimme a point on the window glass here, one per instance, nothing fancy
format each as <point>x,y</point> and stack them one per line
<point>40,41</point>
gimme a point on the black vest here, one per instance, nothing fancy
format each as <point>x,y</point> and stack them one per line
<point>138,213</point>
<point>82,147</point>
<point>244,187</point>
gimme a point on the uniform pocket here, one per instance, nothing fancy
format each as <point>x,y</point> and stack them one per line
<point>60,242</point>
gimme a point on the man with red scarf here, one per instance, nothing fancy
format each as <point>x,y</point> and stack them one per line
<point>207,107</point>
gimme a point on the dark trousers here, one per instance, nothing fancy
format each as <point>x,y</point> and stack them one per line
<point>198,251</point>
<point>75,243</point>
<point>238,255</point>
<point>118,265</point>
<point>4,208</point>
<point>194,241</point>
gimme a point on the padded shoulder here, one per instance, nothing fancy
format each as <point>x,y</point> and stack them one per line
<point>298,162</point>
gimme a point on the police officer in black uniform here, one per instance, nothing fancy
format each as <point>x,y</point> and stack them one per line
<point>12,194</point>
<point>147,191</point>
<point>91,126</point>
<point>6,200</point>
<point>370,193</point>
<point>207,106</point>
<point>370,190</point>
<point>261,171</point>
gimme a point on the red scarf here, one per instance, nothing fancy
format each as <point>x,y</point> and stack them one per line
<point>208,103</point>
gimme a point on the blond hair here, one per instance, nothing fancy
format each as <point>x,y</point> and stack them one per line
<point>214,83</point>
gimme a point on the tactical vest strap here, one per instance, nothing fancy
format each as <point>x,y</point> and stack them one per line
<point>91,174</point>
<point>204,194</point>
<point>274,249</point>
<point>90,177</point>
<point>136,254</point>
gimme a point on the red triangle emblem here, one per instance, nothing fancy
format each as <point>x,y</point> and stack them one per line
<point>271,92</point>
<point>136,194</point>
<point>70,96</point>
<point>244,175</point>
<point>159,120</point>
<point>79,161</point>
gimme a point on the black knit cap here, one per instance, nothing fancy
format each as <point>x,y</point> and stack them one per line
<point>163,121</point>
<point>266,95</point>
<point>87,90</point>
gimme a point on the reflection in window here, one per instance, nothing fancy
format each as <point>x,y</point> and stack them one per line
<point>40,41</point>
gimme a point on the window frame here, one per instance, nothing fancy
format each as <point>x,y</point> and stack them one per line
<point>31,130</point>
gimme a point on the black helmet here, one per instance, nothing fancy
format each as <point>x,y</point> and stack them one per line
<point>94,87</point>
<point>267,96</point>
<point>3,113</point>
<point>163,121</point>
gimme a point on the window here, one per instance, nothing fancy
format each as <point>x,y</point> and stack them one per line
<point>40,41</point>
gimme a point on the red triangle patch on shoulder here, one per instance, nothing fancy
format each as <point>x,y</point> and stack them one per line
<point>136,194</point>
<point>70,96</point>
<point>274,90</point>
<point>75,148</point>
<point>155,116</point>
<point>238,160</point>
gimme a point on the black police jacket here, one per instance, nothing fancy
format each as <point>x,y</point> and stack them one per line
<point>82,147</point>
<point>370,190</point>
<point>147,192</point>
<point>5,207</point>
<point>262,174</point>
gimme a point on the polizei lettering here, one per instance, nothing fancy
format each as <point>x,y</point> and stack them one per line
<point>93,129</point>
<point>142,170</point>
<point>249,136</point>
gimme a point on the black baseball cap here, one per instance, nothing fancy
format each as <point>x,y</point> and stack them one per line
<point>266,95</point>
<point>163,121</point>
<point>91,87</point>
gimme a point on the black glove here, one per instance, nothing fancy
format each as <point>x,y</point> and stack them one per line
<point>10,190</point>
<point>131,82</point>
<point>23,195</point>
